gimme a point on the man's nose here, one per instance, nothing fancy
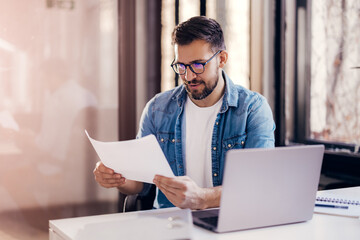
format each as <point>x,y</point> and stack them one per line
<point>189,75</point>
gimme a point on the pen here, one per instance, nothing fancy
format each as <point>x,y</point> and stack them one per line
<point>331,206</point>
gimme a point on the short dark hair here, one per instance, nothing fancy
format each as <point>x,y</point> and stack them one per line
<point>199,28</point>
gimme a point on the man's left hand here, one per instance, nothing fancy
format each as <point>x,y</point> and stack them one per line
<point>182,191</point>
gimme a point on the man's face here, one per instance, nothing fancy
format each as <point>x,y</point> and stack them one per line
<point>198,86</point>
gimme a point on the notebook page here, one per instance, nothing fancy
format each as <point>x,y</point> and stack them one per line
<point>342,202</point>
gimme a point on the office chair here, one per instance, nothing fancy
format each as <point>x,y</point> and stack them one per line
<point>130,203</point>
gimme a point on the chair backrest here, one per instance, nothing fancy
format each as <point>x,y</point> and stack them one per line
<point>130,203</point>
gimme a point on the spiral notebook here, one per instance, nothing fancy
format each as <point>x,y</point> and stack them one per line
<point>342,202</point>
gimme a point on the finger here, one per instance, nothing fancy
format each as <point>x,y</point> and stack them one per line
<point>106,172</point>
<point>166,188</point>
<point>168,193</point>
<point>110,182</point>
<point>102,168</point>
<point>103,177</point>
<point>173,198</point>
<point>108,176</point>
<point>176,183</point>
<point>111,185</point>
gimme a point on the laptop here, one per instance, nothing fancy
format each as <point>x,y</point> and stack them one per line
<point>265,187</point>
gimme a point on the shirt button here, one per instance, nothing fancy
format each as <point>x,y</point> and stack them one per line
<point>162,140</point>
<point>229,145</point>
<point>215,174</point>
<point>217,123</point>
<point>214,148</point>
<point>173,140</point>
<point>242,142</point>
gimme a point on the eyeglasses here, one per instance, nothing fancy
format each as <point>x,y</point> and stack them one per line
<point>195,67</point>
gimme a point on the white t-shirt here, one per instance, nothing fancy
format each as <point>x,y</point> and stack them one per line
<point>199,125</point>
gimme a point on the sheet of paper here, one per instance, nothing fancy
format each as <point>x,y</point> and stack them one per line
<point>138,159</point>
<point>173,223</point>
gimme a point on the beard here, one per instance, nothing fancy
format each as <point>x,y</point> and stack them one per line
<point>201,94</point>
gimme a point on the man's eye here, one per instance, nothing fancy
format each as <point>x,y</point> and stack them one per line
<point>180,66</point>
<point>197,65</point>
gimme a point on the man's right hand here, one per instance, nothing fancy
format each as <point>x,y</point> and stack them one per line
<point>106,177</point>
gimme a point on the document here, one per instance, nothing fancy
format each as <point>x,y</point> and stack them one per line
<point>342,202</point>
<point>138,159</point>
<point>170,223</point>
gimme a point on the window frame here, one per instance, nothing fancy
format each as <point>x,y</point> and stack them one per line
<point>341,160</point>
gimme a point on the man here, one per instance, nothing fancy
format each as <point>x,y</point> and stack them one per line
<point>197,122</point>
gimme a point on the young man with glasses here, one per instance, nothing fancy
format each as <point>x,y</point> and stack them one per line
<point>198,121</point>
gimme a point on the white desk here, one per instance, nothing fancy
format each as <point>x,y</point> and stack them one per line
<point>320,227</point>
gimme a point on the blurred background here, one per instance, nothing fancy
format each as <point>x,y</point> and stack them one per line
<point>71,65</point>
<point>58,77</point>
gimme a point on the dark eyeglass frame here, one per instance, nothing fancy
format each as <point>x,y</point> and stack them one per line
<point>189,65</point>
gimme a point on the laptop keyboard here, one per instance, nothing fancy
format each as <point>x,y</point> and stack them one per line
<point>211,220</point>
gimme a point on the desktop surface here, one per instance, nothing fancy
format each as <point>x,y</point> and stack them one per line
<point>325,227</point>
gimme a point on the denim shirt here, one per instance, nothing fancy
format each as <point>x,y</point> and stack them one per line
<point>244,121</point>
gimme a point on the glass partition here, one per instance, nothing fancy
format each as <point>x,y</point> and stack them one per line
<point>58,77</point>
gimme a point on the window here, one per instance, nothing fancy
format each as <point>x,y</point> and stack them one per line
<point>234,18</point>
<point>335,80</point>
<point>322,93</point>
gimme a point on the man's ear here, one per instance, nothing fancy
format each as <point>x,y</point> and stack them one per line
<point>223,58</point>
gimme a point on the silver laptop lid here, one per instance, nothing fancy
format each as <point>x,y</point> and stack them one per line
<point>266,187</point>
